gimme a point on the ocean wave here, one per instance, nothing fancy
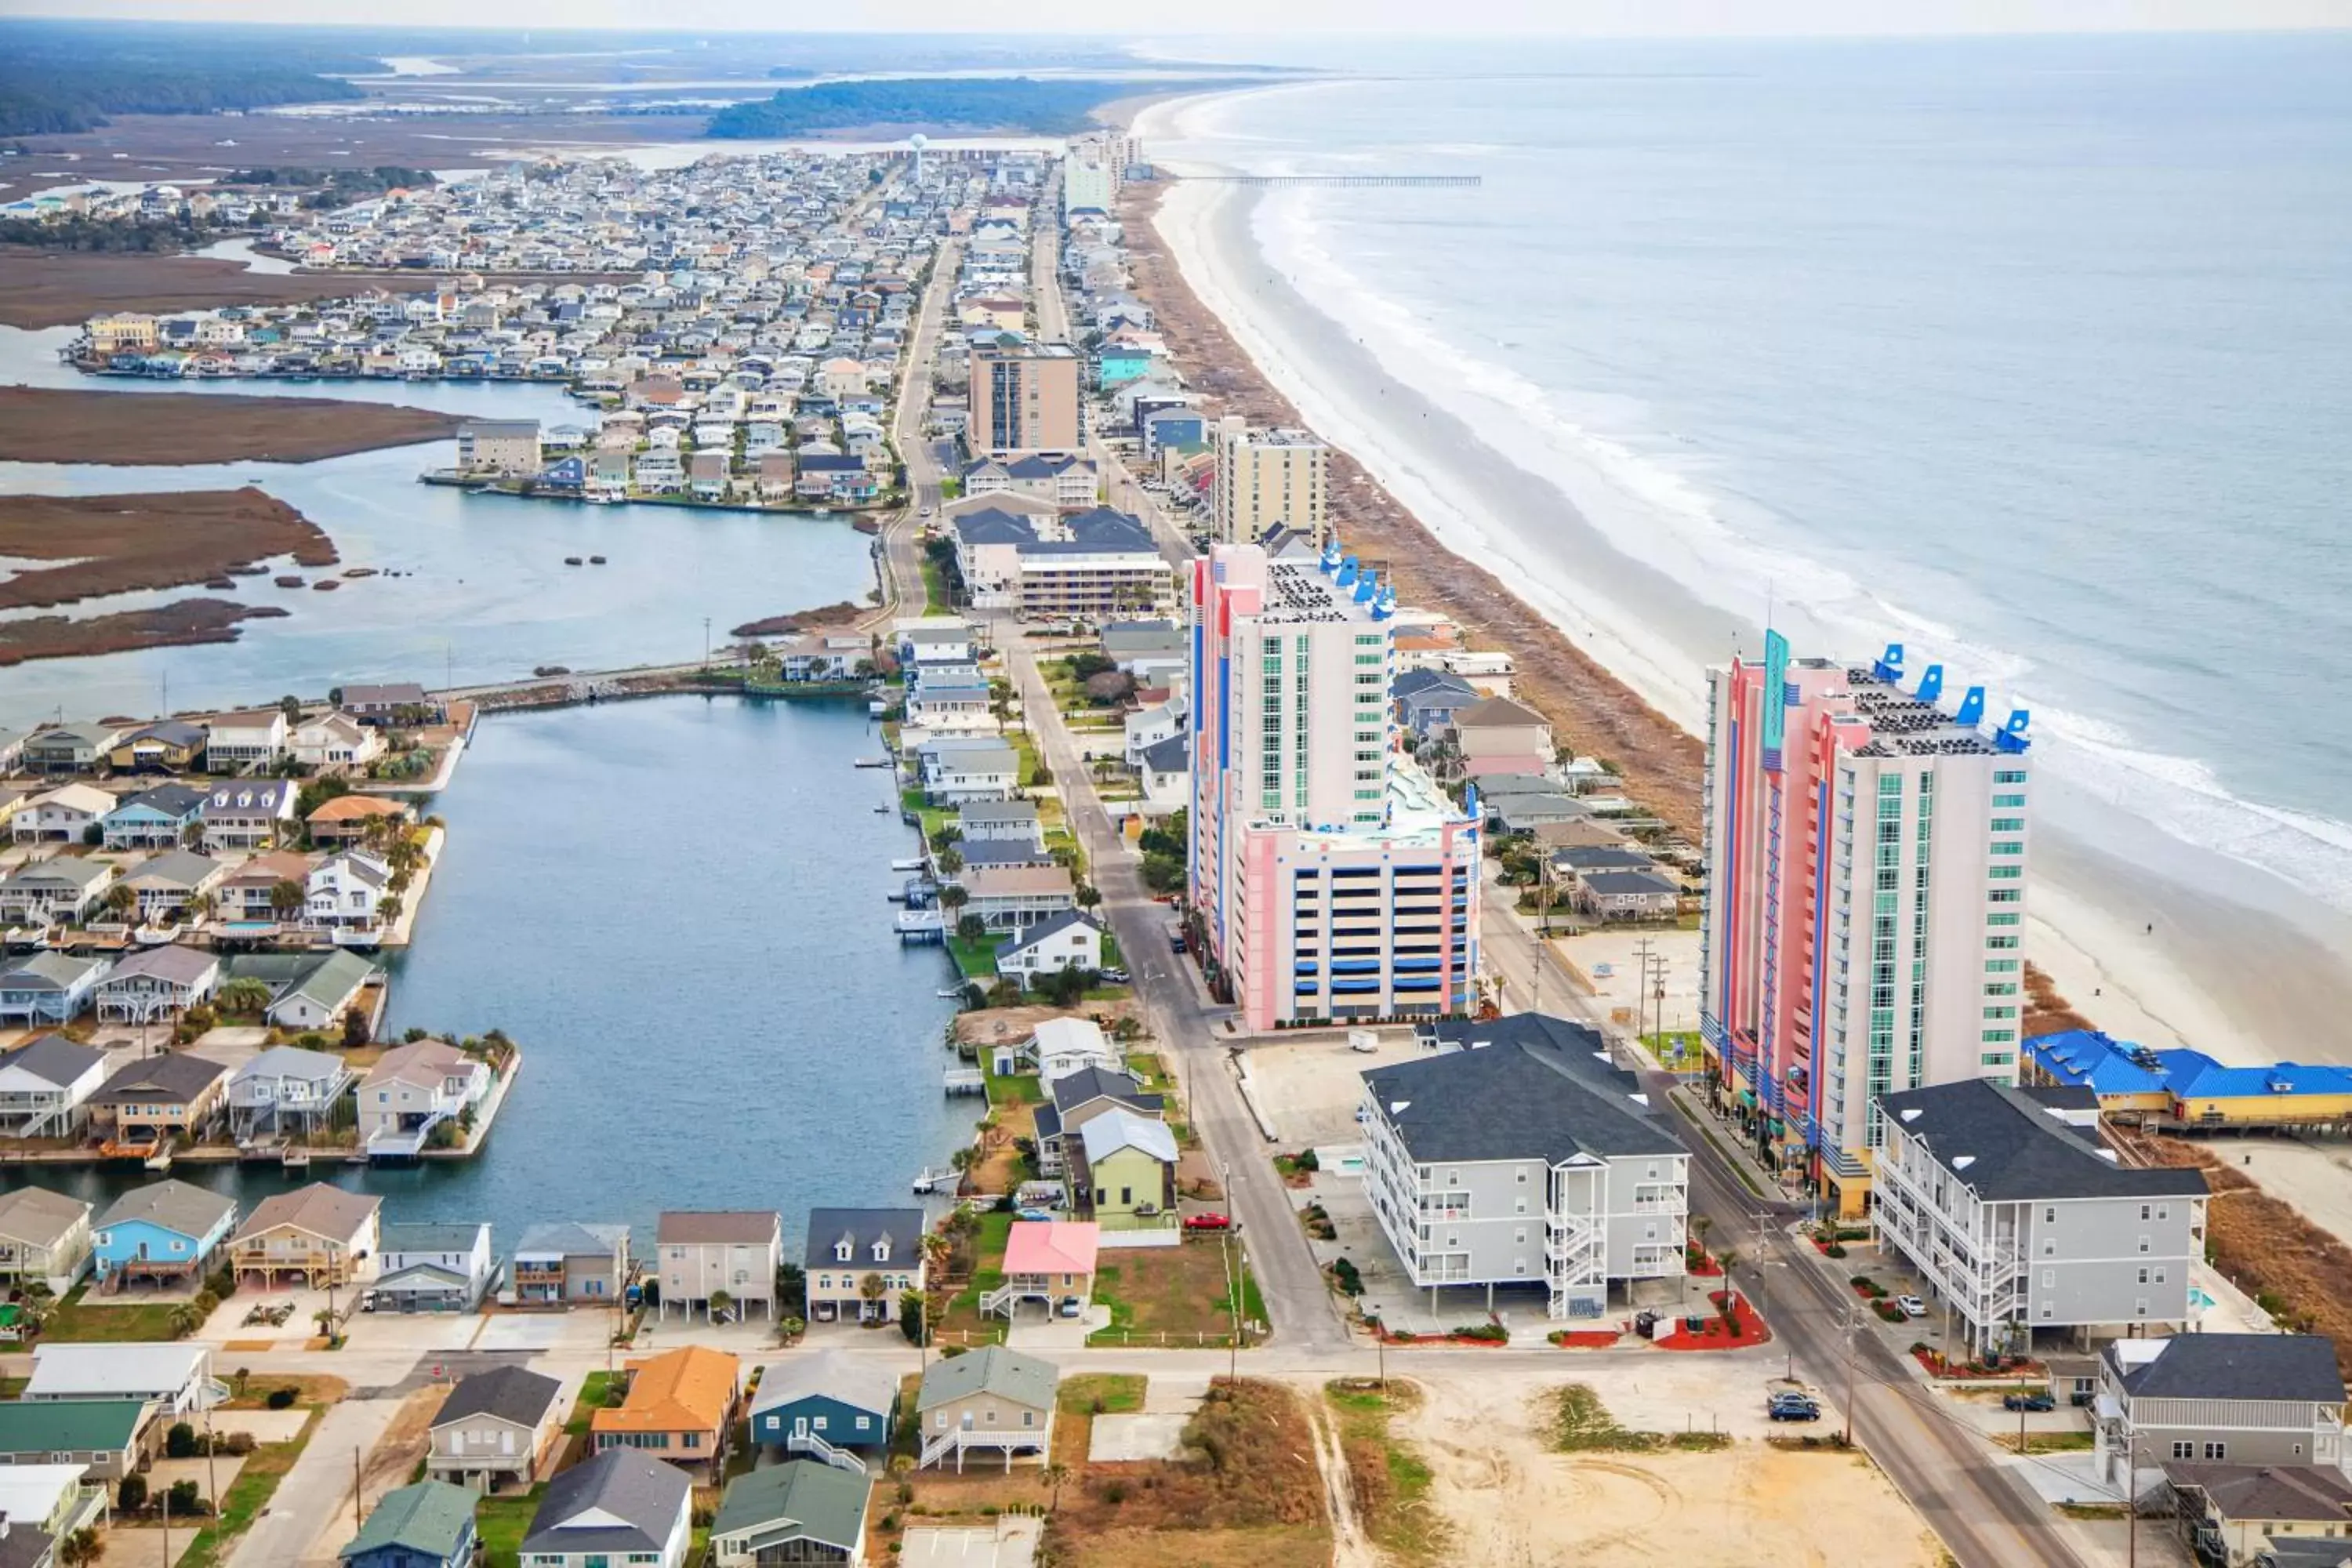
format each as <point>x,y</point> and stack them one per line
<point>1650,507</point>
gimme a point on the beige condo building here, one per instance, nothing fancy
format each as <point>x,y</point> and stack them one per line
<point>1269,478</point>
<point>1024,398</point>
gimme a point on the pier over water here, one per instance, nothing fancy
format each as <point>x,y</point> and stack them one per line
<point>1449,181</point>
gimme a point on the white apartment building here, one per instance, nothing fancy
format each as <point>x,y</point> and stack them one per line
<point>1334,878</point>
<point>1518,1157</point>
<point>1269,478</point>
<point>1086,184</point>
<point>1093,563</point>
<point>1865,900</point>
<point>2005,1203</point>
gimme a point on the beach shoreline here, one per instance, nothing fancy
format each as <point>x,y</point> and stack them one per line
<point>2216,959</point>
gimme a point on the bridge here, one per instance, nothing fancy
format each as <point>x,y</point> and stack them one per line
<point>1429,180</point>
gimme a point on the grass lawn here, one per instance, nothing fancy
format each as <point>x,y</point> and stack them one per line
<point>1010,1088</point>
<point>1391,1480</point>
<point>251,1493</point>
<point>2050,1442</point>
<point>597,1390</point>
<point>1153,1072</point>
<point>502,1523</point>
<point>987,1274</point>
<point>974,960</point>
<point>1102,1393</point>
<point>79,1322</point>
<point>934,817</point>
<point>937,599</point>
<point>1179,1291</point>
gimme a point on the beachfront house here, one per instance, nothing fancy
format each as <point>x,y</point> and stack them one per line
<point>432,1268</point>
<point>801,1512</point>
<point>62,816</point>
<point>817,1402</point>
<point>2217,1398</point>
<point>347,819</point>
<point>267,890</point>
<point>498,1426</point>
<point>622,1505</point>
<point>857,1262</point>
<point>47,988</point>
<point>990,1399</point>
<point>164,1235</point>
<point>315,1237</point>
<point>347,892</point>
<point>247,813</point>
<point>568,1264</point>
<point>46,1085</point>
<point>44,1235</point>
<point>389,702</point>
<point>242,741</point>
<point>679,1407</point>
<point>415,1088</point>
<point>707,1255</point>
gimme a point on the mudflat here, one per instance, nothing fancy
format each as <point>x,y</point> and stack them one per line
<point>189,621</point>
<point>76,424</point>
<point>118,543</point>
<point>65,288</point>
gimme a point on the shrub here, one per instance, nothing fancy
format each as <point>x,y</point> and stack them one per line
<point>132,1496</point>
<point>1492,1333</point>
<point>180,1442</point>
<point>1833,1250</point>
<point>280,1399</point>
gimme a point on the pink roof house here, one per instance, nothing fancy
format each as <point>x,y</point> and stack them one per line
<point>1048,1261</point>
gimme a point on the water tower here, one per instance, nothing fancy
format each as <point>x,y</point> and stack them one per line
<point>918,142</point>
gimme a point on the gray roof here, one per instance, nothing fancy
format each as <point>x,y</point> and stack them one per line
<point>511,1392</point>
<point>430,1518</point>
<point>747,1227</point>
<point>2007,1147</point>
<point>1052,925</point>
<point>564,1238</point>
<point>1074,1090</point>
<point>174,1206</point>
<point>626,1483</point>
<point>37,1216</point>
<point>1620,883</point>
<point>173,1078</point>
<point>1171,755</point>
<point>1107,1134</point>
<point>1525,1086</point>
<point>53,1058</point>
<point>2287,1367</point>
<point>250,797</point>
<point>1601,857</point>
<point>427,1235</point>
<point>63,870</point>
<point>827,1228</point>
<point>826,1504</point>
<point>292,1062</point>
<point>171,964</point>
<point>993,1369</point>
<point>866,1382</point>
<point>1100,529</point>
<point>175,868</point>
<point>998,811</point>
<point>1001,852</point>
<point>175,800</point>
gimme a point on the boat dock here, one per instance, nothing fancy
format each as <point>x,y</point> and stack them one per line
<point>964,1080</point>
<point>930,1180</point>
<point>922,928</point>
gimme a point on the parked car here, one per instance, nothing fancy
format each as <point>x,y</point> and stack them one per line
<point>1071,1307</point>
<point>1116,976</point>
<point>2028,1402</point>
<point>1208,1222</point>
<point>1912,1306</point>
<point>1793,1407</point>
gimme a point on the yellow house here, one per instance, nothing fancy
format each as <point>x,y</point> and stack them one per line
<point>1123,1172</point>
<point>123,333</point>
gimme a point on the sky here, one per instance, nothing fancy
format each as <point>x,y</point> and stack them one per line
<point>1571,18</point>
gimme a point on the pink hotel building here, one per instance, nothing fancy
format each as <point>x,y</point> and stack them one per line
<point>1331,877</point>
<point>1865,900</point>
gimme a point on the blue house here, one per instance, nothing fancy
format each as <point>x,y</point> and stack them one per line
<point>1425,701</point>
<point>816,1402</point>
<point>48,989</point>
<point>1115,366</point>
<point>566,473</point>
<point>153,818</point>
<point>429,1524</point>
<point>164,1233</point>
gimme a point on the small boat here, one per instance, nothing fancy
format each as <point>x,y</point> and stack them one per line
<point>881,809</point>
<point>571,561</point>
<point>914,864</point>
<point>595,561</point>
<point>956,993</point>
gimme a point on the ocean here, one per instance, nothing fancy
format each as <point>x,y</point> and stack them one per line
<point>2034,355</point>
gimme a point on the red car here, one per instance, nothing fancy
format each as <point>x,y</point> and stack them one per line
<point>1207,1222</point>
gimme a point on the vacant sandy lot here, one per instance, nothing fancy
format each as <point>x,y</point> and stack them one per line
<point>1510,1499</point>
<point>1618,992</point>
<point>1310,1088</point>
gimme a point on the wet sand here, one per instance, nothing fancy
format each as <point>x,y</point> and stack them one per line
<point>49,426</point>
<point>123,543</point>
<point>186,622</point>
<point>1608,647</point>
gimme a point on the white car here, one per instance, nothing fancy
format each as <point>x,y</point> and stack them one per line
<point>1912,1306</point>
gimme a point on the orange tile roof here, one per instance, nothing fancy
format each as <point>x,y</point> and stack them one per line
<point>689,1389</point>
<point>351,807</point>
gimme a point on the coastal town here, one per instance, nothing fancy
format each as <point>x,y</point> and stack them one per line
<point>1411,1127</point>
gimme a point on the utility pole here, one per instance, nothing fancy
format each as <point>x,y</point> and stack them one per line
<point>1642,984</point>
<point>167,1527</point>
<point>1853,1311</point>
<point>212,1476</point>
<point>359,1487</point>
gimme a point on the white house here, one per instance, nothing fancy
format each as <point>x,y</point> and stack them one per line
<point>1061,1047</point>
<point>335,740</point>
<point>43,1085</point>
<point>704,1253</point>
<point>412,1088</point>
<point>622,1506</point>
<point>176,1376</point>
<point>63,815</point>
<point>432,1268</point>
<point>243,740</point>
<point>1071,940</point>
<point>346,891</point>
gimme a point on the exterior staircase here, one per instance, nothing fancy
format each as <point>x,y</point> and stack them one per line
<point>815,1445</point>
<point>999,1300</point>
<point>935,1447</point>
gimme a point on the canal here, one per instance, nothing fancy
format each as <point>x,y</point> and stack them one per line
<point>676,909</point>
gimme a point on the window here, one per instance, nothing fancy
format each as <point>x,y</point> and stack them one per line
<point>2143,1244</point>
<point>2184,1450</point>
<point>2017,777</point>
<point>2048,1216</point>
<point>2050,1280</point>
<point>2146,1210</point>
<point>2216,1451</point>
<point>2143,1276</point>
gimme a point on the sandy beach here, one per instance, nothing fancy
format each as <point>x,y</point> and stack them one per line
<point>2146,937</point>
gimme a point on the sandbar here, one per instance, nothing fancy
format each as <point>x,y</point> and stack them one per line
<point>71,424</point>
<point>189,621</point>
<point>122,543</point>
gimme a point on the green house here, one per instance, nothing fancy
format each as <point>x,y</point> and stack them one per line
<point>427,1525</point>
<point>1124,1173</point>
<point>803,1511</point>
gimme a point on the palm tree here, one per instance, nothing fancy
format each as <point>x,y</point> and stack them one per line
<point>387,908</point>
<point>871,1290</point>
<point>79,1548</point>
<point>954,897</point>
<point>120,899</point>
<point>286,897</point>
<point>718,1305</point>
<point>1087,895</point>
<point>1056,1474</point>
<point>951,861</point>
<point>244,995</point>
<point>185,1320</point>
